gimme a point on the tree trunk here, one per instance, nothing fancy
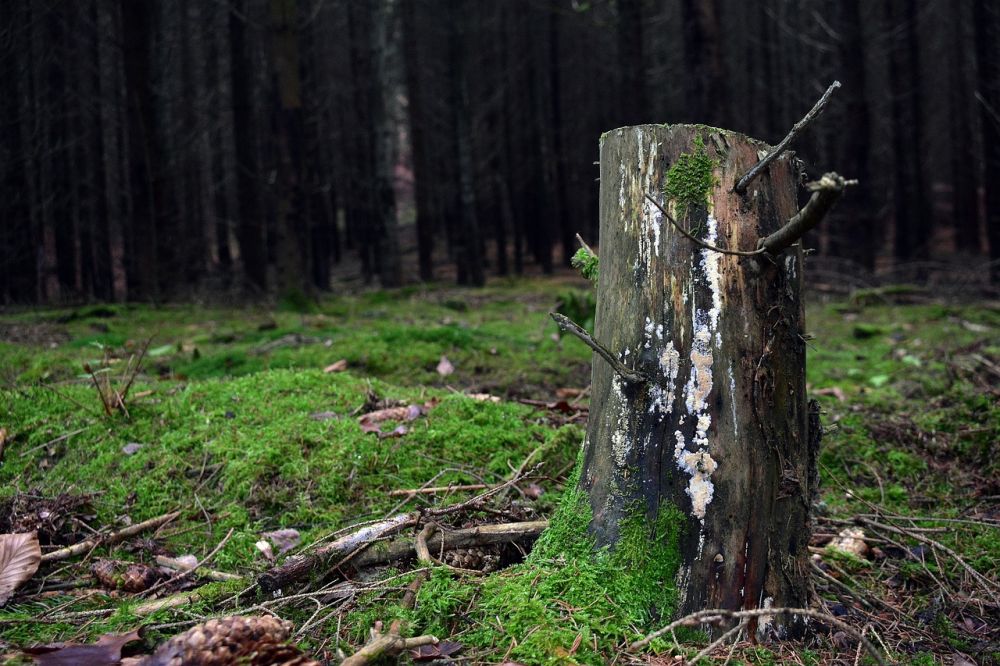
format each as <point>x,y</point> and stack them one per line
<point>986,17</point>
<point>718,428</point>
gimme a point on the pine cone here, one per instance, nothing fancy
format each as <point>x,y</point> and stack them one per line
<point>255,641</point>
<point>479,559</point>
<point>127,576</point>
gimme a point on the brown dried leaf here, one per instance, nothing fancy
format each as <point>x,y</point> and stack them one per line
<point>285,539</point>
<point>107,651</point>
<point>439,650</point>
<point>444,367</point>
<point>339,366</point>
<point>567,393</point>
<point>20,555</point>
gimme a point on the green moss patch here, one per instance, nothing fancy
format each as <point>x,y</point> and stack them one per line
<point>690,179</point>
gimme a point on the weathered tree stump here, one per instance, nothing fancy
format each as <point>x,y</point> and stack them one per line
<point>718,426</point>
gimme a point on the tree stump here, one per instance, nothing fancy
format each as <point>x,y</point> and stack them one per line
<point>718,427</point>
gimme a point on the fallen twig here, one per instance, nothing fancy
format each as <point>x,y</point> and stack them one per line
<point>436,489</point>
<point>386,644</point>
<point>299,566</point>
<point>187,572</point>
<point>716,615</point>
<point>112,538</point>
<point>181,565</point>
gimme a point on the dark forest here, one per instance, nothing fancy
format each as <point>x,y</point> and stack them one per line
<point>155,151</point>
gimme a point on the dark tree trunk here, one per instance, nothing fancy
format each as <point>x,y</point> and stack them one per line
<point>383,131</point>
<point>719,428</point>
<point>250,222</point>
<point>142,264</point>
<point>467,241</point>
<point>964,176</point>
<point>418,142</point>
<point>986,15</point>
<point>911,204</point>
<point>853,234</point>
<point>632,94</point>
<point>704,63</point>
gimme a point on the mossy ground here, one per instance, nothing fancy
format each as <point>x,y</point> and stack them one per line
<point>233,432</point>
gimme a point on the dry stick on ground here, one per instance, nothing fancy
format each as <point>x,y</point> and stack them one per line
<point>352,544</point>
<point>187,572</point>
<point>425,559</point>
<point>797,128</point>
<point>386,644</point>
<point>718,641</point>
<point>181,565</point>
<point>113,537</point>
<point>436,489</point>
<point>569,326</point>
<point>990,587</point>
<point>716,615</point>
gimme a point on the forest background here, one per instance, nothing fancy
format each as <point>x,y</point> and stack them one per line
<point>159,151</point>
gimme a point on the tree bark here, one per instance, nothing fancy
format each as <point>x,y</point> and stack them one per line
<point>719,427</point>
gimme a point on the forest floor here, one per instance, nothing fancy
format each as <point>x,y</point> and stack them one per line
<point>244,422</point>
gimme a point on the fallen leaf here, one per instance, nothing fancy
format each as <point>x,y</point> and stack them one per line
<point>439,650</point>
<point>20,555</point>
<point>444,367</point>
<point>107,651</point>
<point>339,366</point>
<point>566,393</point>
<point>131,448</point>
<point>285,539</point>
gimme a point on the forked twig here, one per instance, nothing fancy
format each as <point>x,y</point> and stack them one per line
<point>797,128</point>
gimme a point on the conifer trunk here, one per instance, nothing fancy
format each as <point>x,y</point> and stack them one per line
<point>719,429</point>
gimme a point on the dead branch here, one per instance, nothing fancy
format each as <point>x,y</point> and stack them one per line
<point>826,191</point>
<point>112,538</point>
<point>697,241</point>
<point>425,559</point>
<point>797,128</point>
<point>714,616</point>
<point>180,565</point>
<point>569,326</point>
<point>187,572</point>
<point>299,566</point>
<point>436,489</point>
<point>386,644</point>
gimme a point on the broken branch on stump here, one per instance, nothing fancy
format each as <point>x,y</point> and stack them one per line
<point>694,239</point>
<point>114,537</point>
<point>826,191</point>
<point>567,325</point>
<point>583,244</point>
<point>797,128</point>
